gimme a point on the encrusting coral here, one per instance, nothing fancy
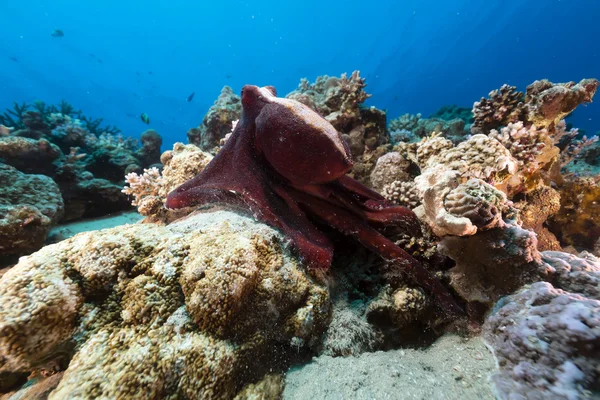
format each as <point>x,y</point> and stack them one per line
<point>212,302</point>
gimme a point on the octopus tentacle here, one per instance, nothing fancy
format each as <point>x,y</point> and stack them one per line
<point>347,223</point>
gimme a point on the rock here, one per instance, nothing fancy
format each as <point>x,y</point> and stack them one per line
<point>29,206</point>
<point>29,155</point>
<point>546,342</point>
<point>195,309</point>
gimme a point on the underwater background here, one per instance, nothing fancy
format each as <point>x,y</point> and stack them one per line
<point>119,59</point>
<point>299,200</point>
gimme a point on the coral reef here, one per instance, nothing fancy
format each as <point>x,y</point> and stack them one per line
<point>577,223</point>
<point>150,189</point>
<point>29,206</point>
<point>391,167</point>
<point>338,100</point>
<point>282,138</point>
<point>449,122</point>
<point>548,103</point>
<point>213,302</point>
<point>535,209</point>
<point>504,105</point>
<point>86,160</point>
<point>28,155</point>
<point>217,122</point>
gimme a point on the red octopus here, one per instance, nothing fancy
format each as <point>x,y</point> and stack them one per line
<point>284,161</point>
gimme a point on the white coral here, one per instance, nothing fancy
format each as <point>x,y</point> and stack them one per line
<point>142,186</point>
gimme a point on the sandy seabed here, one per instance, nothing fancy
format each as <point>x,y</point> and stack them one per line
<point>451,368</point>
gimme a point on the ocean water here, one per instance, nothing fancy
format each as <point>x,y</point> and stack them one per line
<point>118,59</point>
<point>325,245</point>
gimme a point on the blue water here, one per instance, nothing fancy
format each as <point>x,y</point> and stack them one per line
<point>121,58</point>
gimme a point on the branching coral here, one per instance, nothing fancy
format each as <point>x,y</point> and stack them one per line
<point>504,105</point>
<point>404,193</point>
<point>406,122</point>
<point>151,188</point>
<point>145,190</point>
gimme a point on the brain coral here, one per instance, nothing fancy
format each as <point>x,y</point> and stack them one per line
<point>195,309</point>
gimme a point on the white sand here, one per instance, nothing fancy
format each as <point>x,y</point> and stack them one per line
<point>452,368</point>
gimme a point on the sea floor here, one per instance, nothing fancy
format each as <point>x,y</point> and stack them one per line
<point>451,368</point>
<point>65,231</point>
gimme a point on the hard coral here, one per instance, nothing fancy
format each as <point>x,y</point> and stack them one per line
<point>217,121</point>
<point>29,206</point>
<point>504,105</point>
<point>212,302</point>
<point>548,103</point>
<point>150,189</point>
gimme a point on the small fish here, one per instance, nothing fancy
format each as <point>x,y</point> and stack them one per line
<point>150,72</point>
<point>145,118</point>
<point>190,97</point>
<point>228,76</point>
<point>15,59</point>
<point>57,33</point>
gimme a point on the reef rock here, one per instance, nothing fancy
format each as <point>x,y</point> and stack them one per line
<point>29,155</point>
<point>29,206</point>
<point>195,309</point>
<point>548,103</point>
<point>218,121</point>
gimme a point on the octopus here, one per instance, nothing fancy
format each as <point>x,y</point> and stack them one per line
<point>287,165</point>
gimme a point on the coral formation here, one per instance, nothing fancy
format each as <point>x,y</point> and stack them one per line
<point>391,167</point>
<point>548,103</point>
<point>212,302</point>
<point>29,206</point>
<point>150,189</point>
<point>577,223</point>
<point>283,162</point>
<point>217,122</point>
<point>86,160</point>
<point>546,342</point>
<point>504,105</point>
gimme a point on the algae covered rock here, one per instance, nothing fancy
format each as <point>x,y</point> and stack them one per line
<point>195,309</point>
